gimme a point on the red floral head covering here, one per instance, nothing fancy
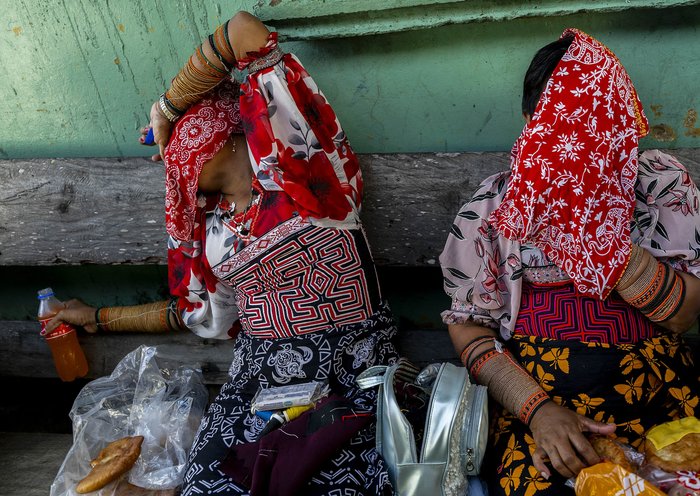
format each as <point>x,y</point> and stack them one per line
<point>574,168</point>
<point>196,138</point>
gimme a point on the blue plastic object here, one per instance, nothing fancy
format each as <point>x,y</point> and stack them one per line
<point>149,140</point>
<point>265,414</point>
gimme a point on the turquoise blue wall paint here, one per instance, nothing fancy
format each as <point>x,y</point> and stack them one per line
<point>313,19</point>
<point>79,76</point>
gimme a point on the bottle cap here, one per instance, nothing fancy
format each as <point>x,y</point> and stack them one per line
<point>42,294</point>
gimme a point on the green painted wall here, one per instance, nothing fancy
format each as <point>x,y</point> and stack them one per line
<point>78,76</point>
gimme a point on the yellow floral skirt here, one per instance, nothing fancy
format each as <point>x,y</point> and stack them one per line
<point>635,386</point>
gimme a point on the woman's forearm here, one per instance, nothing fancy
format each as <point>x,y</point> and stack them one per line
<point>491,365</point>
<point>212,61</point>
<point>160,316</point>
<point>206,67</point>
<point>667,297</point>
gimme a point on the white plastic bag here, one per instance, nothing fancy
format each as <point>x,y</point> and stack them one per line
<point>150,395</point>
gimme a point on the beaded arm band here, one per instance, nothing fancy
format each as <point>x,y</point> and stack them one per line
<point>161,316</point>
<point>200,74</point>
<point>658,291</point>
<point>508,383</point>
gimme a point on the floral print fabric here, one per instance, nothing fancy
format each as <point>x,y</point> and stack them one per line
<point>303,166</point>
<point>484,271</point>
<point>635,386</point>
<point>295,141</point>
<point>574,166</point>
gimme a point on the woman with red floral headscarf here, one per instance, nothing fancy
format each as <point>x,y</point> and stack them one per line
<point>263,194</point>
<point>573,275</point>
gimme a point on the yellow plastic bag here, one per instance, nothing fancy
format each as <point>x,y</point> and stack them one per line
<point>609,479</point>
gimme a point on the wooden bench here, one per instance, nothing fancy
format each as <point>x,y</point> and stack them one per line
<point>109,212</point>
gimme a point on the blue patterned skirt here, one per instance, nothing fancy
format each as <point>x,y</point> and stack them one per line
<point>337,355</point>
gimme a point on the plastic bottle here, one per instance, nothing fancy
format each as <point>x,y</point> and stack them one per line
<point>68,356</point>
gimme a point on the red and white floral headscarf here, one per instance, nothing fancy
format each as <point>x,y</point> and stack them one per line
<point>574,167</point>
<point>196,138</point>
<point>295,142</point>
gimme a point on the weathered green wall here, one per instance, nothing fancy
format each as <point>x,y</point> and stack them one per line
<point>78,76</point>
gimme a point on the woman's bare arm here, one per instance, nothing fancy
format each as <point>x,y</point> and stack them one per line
<point>557,431</point>
<point>246,34</point>
<point>689,310</point>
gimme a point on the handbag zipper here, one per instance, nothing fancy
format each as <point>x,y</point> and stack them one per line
<point>474,455</point>
<point>430,409</point>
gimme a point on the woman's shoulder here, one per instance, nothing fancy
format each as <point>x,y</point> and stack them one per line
<point>656,162</point>
<point>496,182</point>
<point>487,197</point>
<point>660,175</point>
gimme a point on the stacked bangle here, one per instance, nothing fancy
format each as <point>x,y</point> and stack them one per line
<point>173,318</point>
<point>169,110</point>
<point>658,291</point>
<point>471,346</point>
<point>510,384</point>
<point>217,52</point>
<point>97,320</point>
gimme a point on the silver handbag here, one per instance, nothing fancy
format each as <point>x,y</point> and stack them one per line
<point>455,434</point>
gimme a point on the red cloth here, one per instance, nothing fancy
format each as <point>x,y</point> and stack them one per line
<point>296,142</point>
<point>197,137</point>
<point>574,167</point>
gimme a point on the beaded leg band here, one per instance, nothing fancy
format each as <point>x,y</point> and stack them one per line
<point>651,286</point>
<point>161,316</point>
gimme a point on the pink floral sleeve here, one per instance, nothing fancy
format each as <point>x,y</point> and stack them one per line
<point>667,214</point>
<point>483,271</point>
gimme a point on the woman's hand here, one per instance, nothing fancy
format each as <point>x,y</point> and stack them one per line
<point>162,128</point>
<point>75,312</point>
<point>558,435</point>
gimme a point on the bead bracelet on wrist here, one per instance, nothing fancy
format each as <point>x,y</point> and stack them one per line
<point>167,109</point>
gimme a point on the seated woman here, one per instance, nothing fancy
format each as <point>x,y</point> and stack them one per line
<point>263,195</point>
<point>573,276</point>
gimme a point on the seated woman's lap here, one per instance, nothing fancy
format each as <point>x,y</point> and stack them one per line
<point>634,386</point>
<point>337,356</point>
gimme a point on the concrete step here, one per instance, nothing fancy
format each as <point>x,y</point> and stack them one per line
<point>29,461</point>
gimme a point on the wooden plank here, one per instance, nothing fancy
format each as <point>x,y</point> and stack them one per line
<point>412,199</point>
<point>30,461</point>
<point>110,211</point>
<point>23,352</point>
<point>82,211</point>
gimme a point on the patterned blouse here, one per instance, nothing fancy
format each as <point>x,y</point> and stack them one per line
<point>295,260</point>
<point>483,271</point>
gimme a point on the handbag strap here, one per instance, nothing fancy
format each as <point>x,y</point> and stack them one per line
<point>372,377</point>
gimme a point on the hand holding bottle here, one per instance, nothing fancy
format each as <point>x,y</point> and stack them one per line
<point>62,338</point>
<point>74,312</point>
